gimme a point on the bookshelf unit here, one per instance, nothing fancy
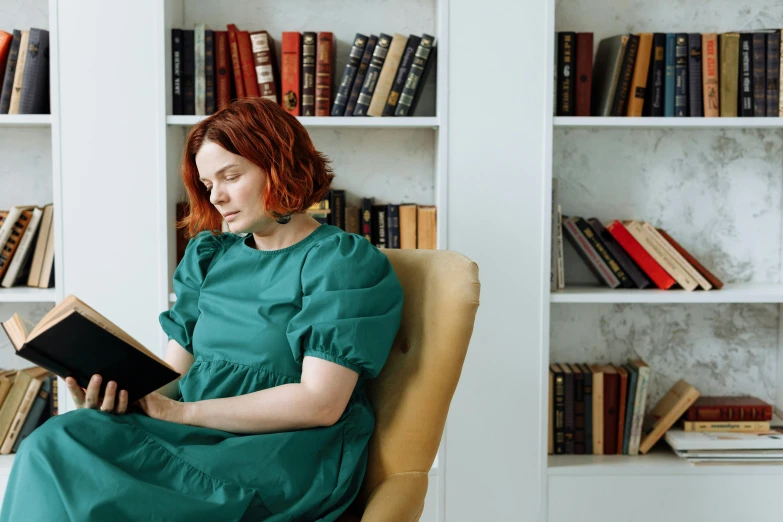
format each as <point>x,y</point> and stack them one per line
<point>715,183</point>
<point>393,159</point>
<point>30,175</point>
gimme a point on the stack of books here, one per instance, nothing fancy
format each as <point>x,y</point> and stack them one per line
<point>27,246</point>
<point>24,72</point>
<point>28,398</point>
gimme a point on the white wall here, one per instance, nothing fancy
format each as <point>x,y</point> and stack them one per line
<point>498,93</point>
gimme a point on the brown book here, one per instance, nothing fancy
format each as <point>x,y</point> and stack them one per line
<point>709,75</point>
<point>729,408</point>
<point>291,59</point>
<point>584,73</point>
<point>427,227</point>
<point>223,69</point>
<point>728,70</point>
<point>236,63</point>
<point>46,277</point>
<point>666,412</point>
<point>408,226</point>
<point>248,64</point>
<point>623,389</point>
<point>324,64</point>
<point>611,408</point>
<point>12,243</point>
<point>639,80</point>
<point>598,409</point>
<point>263,50</point>
<point>352,220</point>
<point>714,281</point>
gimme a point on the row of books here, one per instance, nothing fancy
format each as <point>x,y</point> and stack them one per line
<point>24,72</point>
<point>28,398</point>
<point>27,246</point>
<point>383,76</point>
<point>670,74</point>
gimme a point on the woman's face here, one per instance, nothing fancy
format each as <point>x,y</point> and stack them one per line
<point>235,187</point>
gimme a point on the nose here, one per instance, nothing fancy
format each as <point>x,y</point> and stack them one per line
<point>217,195</point>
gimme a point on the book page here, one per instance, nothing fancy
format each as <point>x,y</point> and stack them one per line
<point>17,330</point>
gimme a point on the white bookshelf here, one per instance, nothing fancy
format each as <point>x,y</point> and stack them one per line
<point>25,120</point>
<point>681,174</point>
<point>28,295</point>
<point>391,159</point>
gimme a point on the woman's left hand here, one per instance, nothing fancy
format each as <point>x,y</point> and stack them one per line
<point>158,406</point>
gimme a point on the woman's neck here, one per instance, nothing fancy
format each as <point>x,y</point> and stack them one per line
<point>283,236</point>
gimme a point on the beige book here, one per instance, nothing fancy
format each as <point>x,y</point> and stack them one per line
<point>40,245</point>
<point>598,409</point>
<point>639,81</point>
<point>728,69</point>
<point>14,399</point>
<point>386,77</point>
<point>427,227</point>
<point>10,221</point>
<point>23,251</point>
<point>23,411</point>
<point>16,90</point>
<point>47,265</point>
<point>709,74</point>
<point>639,404</point>
<point>6,381</point>
<point>656,236</point>
<point>728,426</point>
<point>661,257</point>
<point>666,412</point>
<point>408,226</point>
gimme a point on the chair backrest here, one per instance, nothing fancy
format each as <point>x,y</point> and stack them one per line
<point>412,394</point>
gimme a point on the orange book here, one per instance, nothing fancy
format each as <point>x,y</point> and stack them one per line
<point>5,48</point>
<point>639,80</point>
<point>324,62</point>
<point>289,68</point>
<point>714,281</point>
<point>236,64</point>
<point>247,63</point>
<point>709,75</point>
<point>7,251</point>
<point>222,69</point>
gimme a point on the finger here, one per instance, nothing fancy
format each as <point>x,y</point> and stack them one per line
<point>122,405</point>
<point>76,392</point>
<point>93,392</point>
<point>108,397</point>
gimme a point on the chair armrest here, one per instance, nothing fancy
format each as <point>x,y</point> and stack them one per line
<point>399,498</point>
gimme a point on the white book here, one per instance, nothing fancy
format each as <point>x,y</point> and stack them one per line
<point>23,251</point>
<point>199,73</point>
<point>10,221</point>
<point>682,440</point>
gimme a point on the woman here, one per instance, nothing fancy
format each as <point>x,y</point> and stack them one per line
<point>274,332</point>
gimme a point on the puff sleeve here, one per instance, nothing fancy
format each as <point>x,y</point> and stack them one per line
<point>351,305</point>
<point>179,321</point>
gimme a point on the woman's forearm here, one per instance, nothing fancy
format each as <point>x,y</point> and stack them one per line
<point>282,408</point>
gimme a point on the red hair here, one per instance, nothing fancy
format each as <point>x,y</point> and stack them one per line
<point>262,132</point>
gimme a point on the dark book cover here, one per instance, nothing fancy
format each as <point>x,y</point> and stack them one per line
<point>34,96</point>
<point>558,414</point>
<point>77,347</point>
<point>566,68</point>
<point>393,225</point>
<point>580,406</point>
<point>373,72</point>
<point>568,423</point>
<point>587,391</point>
<point>604,253</point>
<point>378,226</point>
<point>653,103</point>
<point>633,377</point>
<point>337,206</point>
<point>210,79</point>
<point>773,74</point>
<point>669,75</point>
<point>611,405</point>
<point>745,102</point>
<point>759,46</point>
<point>695,98</point>
<point>188,73</point>
<point>401,75</point>
<point>308,73</point>
<point>622,95</point>
<point>423,63</point>
<point>361,73</point>
<point>584,74</point>
<point>176,71</point>
<point>633,271</point>
<point>349,75</point>
<point>681,74</point>
<point>39,409</point>
<point>10,71</point>
<point>365,221</point>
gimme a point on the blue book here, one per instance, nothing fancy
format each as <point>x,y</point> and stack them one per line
<point>633,377</point>
<point>681,74</point>
<point>668,88</point>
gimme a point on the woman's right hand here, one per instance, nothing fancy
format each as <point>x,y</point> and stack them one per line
<point>111,402</point>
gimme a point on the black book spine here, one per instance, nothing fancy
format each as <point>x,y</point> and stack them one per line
<point>569,412</point>
<point>349,75</point>
<point>653,104</point>
<point>308,73</point>
<point>402,75</point>
<point>393,225</point>
<point>681,74</point>
<point>34,97</point>
<point>210,81</point>
<point>188,73</point>
<point>605,254</point>
<point>176,71</point>
<point>337,207</point>
<point>620,102</point>
<point>10,71</point>
<point>373,72</point>
<point>416,76</point>
<point>773,74</point>
<point>579,411</point>
<point>587,391</point>
<point>379,226</point>
<point>746,76</point>
<point>759,74</point>
<point>566,58</point>
<point>361,74</point>
<point>559,412</point>
<point>623,259</point>
<point>696,100</point>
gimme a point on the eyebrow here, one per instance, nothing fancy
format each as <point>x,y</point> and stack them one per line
<point>221,170</point>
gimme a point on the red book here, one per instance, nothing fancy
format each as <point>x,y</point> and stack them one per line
<point>654,271</point>
<point>714,281</point>
<point>729,408</point>
<point>323,73</point>
<point>611,408</point>
<point>5,47</point>
<point>584,73</point>
<point>289,71</point>
<point>236,65</point>
<point>223,69</point>
<point>248,63</point>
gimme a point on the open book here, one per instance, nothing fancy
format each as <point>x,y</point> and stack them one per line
<point>75,340</point>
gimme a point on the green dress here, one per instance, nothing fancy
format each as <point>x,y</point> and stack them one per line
<point>249,317</point>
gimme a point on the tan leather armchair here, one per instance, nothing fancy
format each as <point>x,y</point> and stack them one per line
<point>412,394</point>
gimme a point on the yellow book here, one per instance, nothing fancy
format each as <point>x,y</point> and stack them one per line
<point>666,412</point>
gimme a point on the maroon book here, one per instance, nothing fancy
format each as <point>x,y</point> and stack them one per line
<point>729,408</point>
<point>584,73</point>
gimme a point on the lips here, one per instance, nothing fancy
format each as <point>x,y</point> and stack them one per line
<point>230,215</point>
